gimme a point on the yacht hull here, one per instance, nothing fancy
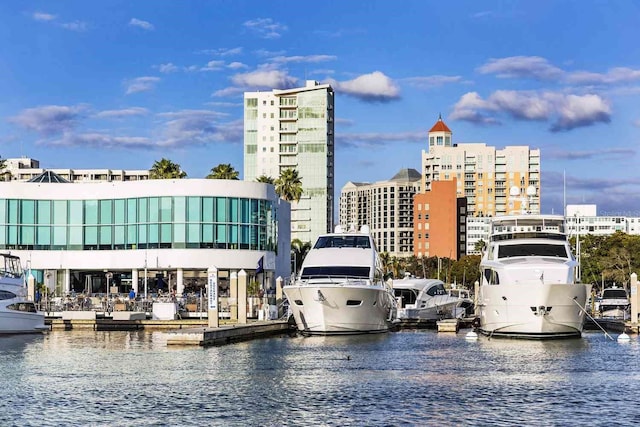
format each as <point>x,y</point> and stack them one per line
<point>330,309</point>
<point>17,322</point>
<point>533,311</point>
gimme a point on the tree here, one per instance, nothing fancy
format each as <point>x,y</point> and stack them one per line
<point>223,171</point>
<point>5,175</point>
<point>265,179</point>
<point>289,185</point>
<point>166,169</point>
<point>299,250</point>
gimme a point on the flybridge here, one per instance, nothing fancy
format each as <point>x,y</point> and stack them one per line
<point>528,227</point>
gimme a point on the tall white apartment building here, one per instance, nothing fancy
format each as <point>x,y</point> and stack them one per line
<point>386,207</point>
<point>485,175</point>
<point>294,128</point>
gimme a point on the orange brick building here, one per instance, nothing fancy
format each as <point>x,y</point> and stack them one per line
<point>439,222</point>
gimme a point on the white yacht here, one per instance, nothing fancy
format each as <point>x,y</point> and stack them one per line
<point>427,299</point>
<point>615,303</point>
<point>528,280</point>
<point>18,315</point>
<point>340,288</point>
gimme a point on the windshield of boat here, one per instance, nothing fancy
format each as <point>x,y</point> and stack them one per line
<point>342,242</point>
<point>335,271</point>
<point>408,295</point>
<point>532,249</point>
<point>437,290</point>
<point>614,293</point>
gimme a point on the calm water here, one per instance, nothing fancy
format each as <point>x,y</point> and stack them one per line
<point>403,378</point>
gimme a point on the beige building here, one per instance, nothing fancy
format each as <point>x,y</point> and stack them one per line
<point>386,207</point>
<point>485,175</point>
<point>294,128</point>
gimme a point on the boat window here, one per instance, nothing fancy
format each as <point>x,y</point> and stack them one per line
<point>342,242</point>
<point>437,290</point>
<point>614,293</point>
<point>7,295</point>
<point>532,249</point>
<point>23,306</point>
<point>335,271</point>
<point>408,295</point>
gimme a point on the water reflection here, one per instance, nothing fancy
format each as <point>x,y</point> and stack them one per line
<point>406,378</point>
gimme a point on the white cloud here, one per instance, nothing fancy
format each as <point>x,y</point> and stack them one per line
<point>213,66</point>
<point>44,17</point>
<point>141,84</point>
<point>522,67</point>
<point>167,68</point>
<point>101,140</point>
<point>78,26</point>
<point>374,86</point>
<point>266,27</point>
<point>377,139</point>
<point>221,51</point>
<point>272,79</point>
<point>122,113</point>
<point>636,123</point>
<point>237,65</point>
<point>198,127</point>
<point>145,25</point>
<point>613,76</point>
<point>565,111</point>
<point>228,92</point>
<point>49,119</point>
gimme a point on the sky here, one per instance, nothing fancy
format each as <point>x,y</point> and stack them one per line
<point>121,84</point>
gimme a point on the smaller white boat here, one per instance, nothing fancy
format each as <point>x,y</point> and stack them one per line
<point>18,315</point>
<point>427,299</point>
<point>614,303</point>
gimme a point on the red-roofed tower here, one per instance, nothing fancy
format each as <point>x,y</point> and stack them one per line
<point>440,134</point>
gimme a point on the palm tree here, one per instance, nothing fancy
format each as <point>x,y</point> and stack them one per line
<point>4,175</point>
<point>289,185</point>
<point>166,169</point>
<point>299,250</point>
<point>265,179</point>
<point>223,171</point>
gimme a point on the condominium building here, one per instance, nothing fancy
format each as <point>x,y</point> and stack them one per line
<point>485,175</point>
<point>440,222</point>
<point>294,128</point>
<point>387,207</point>
<point>25,169</point>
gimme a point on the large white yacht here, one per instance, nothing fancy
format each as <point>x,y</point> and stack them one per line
<point>18,315</point>
<point>528,284</point>
<point>427,299</point>
<point>340,288</point>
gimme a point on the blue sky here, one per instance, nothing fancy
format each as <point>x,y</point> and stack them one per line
<point>120,84</point>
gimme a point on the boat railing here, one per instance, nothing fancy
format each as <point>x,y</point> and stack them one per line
<point>335,279</point>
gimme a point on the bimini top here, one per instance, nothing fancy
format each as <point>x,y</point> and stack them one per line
<point>528,227</point>
<point>48,176</point>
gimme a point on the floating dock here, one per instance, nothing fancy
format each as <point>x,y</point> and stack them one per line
<point>227,334</point>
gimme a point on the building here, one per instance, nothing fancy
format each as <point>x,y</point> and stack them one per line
<point>294,128</point>
<point>440,222</point>
<point>163,233</point>
<point>387,207</point>
<point>24,169</point>
<point>485,175</point>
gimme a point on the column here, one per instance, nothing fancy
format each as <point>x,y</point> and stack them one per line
<point>634,298</point>
<point>279,284</point>
<point>212,294</point>
<point>134,280</point>
<point>233,295</point>
<point>179,282</point>
<point>67,281</point>
<point>242,296</point>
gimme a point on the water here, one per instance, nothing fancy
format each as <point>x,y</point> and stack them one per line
<point>404,378</point>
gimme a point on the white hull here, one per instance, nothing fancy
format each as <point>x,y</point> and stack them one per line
<point>445,309</point>
<point>331,309</point>
<point>17,322</point>
<point>533,310</point>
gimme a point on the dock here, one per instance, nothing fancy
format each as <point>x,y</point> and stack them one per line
<point>227,334</point>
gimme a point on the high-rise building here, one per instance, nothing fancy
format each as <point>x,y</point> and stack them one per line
<point>486,176</point>
<point>439,222</point>
<point>386,207</point>
<point>294,128</point>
